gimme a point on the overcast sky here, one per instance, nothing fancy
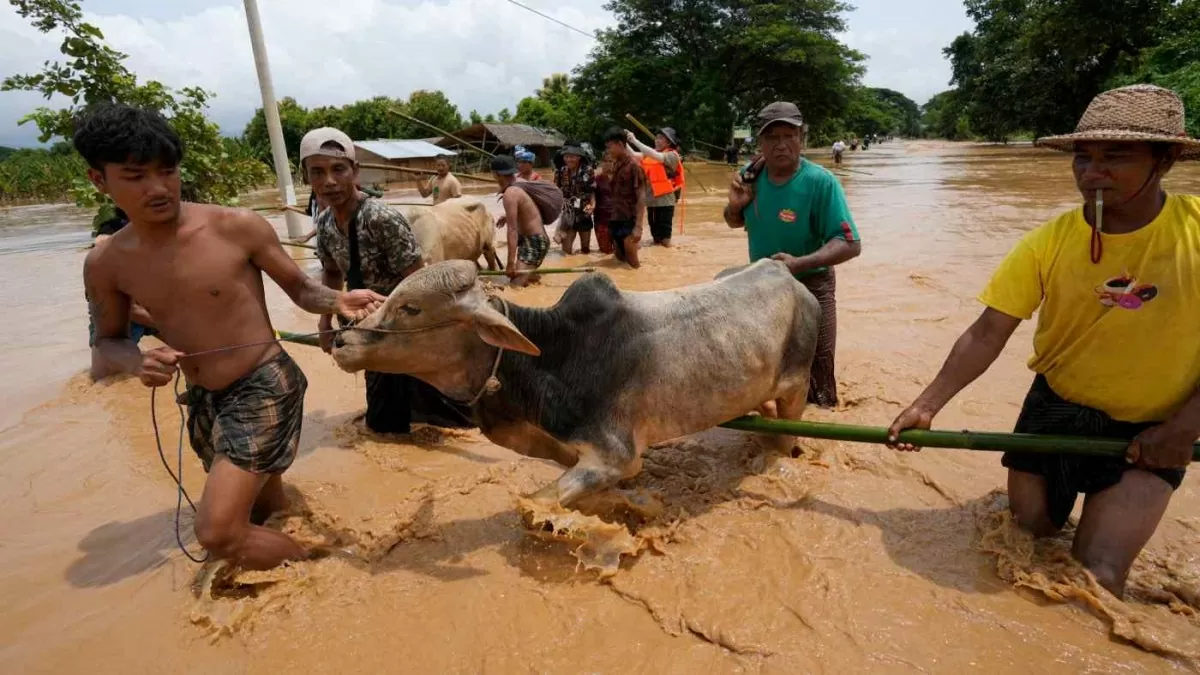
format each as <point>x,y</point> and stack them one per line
<point>485,54</point>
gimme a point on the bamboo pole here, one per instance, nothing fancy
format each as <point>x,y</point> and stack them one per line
<point>543,270</point>
<point>961,440</point>
<point>443,132</point>
<point>426,172</point>
<point>646,130</point>
<point>297,244</point>
<point>298,338</point>
<point>709,145</point>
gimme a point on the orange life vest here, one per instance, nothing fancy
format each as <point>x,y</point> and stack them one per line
<point>656,172</point>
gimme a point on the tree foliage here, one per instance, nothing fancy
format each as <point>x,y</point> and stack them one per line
<point>945,116</point>
<point>1035,64</point>
<point>362,120</point>
<point>1174,62</point>
<point>706,66</point>
<point>95,73</point>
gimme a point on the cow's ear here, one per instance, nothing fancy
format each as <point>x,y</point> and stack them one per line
<point>496,330</point>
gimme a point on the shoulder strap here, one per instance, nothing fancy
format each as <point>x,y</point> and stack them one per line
<point>354,277</point>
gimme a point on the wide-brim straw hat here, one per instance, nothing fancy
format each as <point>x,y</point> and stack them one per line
<point>1135,114</point>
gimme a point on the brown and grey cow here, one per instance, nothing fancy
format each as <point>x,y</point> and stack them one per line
<point>598,377</point>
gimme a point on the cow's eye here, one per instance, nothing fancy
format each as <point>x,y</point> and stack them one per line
<point>410,310</point>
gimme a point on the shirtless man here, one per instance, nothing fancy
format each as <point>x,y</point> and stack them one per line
<point>443,186</point>
<point>529,205</point>
<point>198,270</point>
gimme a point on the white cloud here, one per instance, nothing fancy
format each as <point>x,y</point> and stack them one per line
<point>485,54</point>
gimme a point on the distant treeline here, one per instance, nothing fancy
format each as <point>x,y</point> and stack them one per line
<point>1029,68</point>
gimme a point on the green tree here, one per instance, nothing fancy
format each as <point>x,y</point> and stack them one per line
<point>475,117</point>
<point>504,116</point>
<point>1174,63</point>
<point>373,118</point>
<point>555,106</point>
<point>433,108</point>
<point>95,73</point>
<point>1035,64</point>
<point>704,66</point>
<point>945,116</point>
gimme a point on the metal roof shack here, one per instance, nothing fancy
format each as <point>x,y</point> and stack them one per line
<point>413,154</point>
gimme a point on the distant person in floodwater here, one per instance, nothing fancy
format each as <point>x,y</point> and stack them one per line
<point>443,186</point>
<point>529,206</point>
<point>525,160</point>
<point>794,211</point>
<point>839,149</point>
<point>731,153</point>
<point>854,143</point>
<point>1116,350</point>
<point>664,181</point>
<point>627,181</point>
<point>603,212</point>
<point>577,182</point>
<point>141,324</point>
<point>199,269</point>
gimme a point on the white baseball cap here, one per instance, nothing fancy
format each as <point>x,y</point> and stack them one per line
<point>313,142</point>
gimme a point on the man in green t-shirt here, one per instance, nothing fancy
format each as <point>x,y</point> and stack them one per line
<point>795,212</point>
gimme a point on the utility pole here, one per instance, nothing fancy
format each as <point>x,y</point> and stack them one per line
<point>283,173</point>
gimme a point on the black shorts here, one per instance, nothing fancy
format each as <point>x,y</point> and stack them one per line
<point>1045,412</point>
<point>662,221</point>
<point>619,230</point>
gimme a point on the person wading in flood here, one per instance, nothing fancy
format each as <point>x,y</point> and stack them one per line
<point>578,185</point>
<point>528,207</point>
<point>525,161</point>
<point>627,184</point>
<point>795,212</point>
<point>1117,347</point>
<point>141,324</point>
<point>443,186</point>
<point>198,270</point>
<point>664,181</point>
<point>364,243</point>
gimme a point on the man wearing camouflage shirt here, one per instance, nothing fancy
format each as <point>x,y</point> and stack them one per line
<point>364,243</point>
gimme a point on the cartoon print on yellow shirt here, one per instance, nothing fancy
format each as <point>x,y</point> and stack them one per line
<point>1124,291</point>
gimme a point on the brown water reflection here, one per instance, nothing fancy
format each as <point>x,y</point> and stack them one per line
<point>847,559</point>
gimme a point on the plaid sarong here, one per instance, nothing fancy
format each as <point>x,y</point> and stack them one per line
<point>255,421</point>
<point>822,388</point>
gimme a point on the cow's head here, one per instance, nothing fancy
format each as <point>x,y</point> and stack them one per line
<point>432,326</point>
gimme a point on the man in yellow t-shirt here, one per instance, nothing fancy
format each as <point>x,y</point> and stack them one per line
<point>1116,284</point>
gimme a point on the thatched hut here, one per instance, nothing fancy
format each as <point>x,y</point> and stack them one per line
<point>502,138</point>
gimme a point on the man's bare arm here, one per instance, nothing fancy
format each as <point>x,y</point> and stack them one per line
<point>113,352</point>
<point>138,314</point>
<point>453,188</point>
<point>425,186</point>
<point>512,220</point>
<point>972,355</point>
<point>268,255</point>
<point>835,252</point>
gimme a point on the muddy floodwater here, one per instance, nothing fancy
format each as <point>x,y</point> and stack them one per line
<point>849,558</point>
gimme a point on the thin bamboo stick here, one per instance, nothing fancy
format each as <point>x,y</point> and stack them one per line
<point>543,270</point>
<point>443,132</point>
<point>646,130</point>
<point>425,172</point>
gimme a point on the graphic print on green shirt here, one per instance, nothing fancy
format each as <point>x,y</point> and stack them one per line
<point>799,216</point>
